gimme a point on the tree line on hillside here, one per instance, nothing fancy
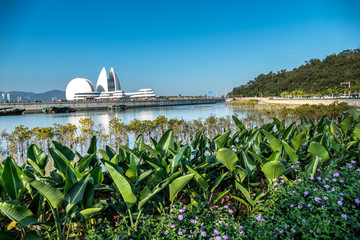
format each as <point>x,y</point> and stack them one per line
<point>314,77</point>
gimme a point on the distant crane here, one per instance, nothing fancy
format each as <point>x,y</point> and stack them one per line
<point>348,84</point>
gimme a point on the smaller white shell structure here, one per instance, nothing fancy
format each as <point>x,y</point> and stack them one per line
<point>78,85</point>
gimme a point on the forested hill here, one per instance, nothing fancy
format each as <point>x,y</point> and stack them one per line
<point>314,77</point>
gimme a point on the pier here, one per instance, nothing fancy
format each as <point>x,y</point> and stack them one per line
<point>36,107</point>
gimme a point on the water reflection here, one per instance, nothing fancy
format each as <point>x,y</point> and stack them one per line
<point>186,112</point>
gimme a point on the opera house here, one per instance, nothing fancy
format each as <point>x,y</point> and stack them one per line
<point>106,88</point>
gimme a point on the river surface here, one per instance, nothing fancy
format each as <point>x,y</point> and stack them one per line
<point>186,112</point>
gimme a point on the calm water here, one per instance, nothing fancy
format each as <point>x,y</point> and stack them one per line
<point>188,112</point>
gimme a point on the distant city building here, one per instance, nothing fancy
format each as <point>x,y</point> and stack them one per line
<point>8,97</point>
<point>106,88</point>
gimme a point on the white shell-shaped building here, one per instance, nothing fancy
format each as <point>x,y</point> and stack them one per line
<point>78,85</point>
<point>106,88</point>
<point>105,84</point>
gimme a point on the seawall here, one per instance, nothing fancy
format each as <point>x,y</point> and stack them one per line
<point>36,107</point>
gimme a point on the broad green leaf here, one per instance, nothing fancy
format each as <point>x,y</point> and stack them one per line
<point>355,114</point>
<point>51,194</point>
<point>312,166</point>
<point>356,131</point>
<point>316,149</point>
<point>280,127</point>
<point>298,140</point>
<point>227,157</point>
<point>217,181</point>
<point>178,157</point>
<point>249,164</point>
<point>273,169</point>
<point>199,179</point>
<point>84,162</point>
<point>220,195</point>
<point>258,158</point>
<point>289,131</point>
<point>345,124</point>
<point>121,183</point>
<point>132,171</point>
<point>75,193</point>
<point>36,167</point>
<point>139,143</point>
<point>70,179</point>
<point>178,184</point>
<point>274,142</point>
<point>18,214</point>
<point>60,161</point>
<point>97,175</point>
<point>11,179</point>
<point>245,193</point>
<point>89,212</point>
<point>67,152</point>
<point>240,200</point>
<point>92,148</point>
<point>166,143</point>
<point>274,156</point>
<point>238,123</point>
<point>221,140</point>
<point>290,152</point>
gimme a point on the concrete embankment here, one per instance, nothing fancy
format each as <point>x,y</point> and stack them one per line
<point>36,107</point>
<point>296,102</point>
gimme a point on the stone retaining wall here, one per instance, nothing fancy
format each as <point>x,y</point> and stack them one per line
<point>35,107</point>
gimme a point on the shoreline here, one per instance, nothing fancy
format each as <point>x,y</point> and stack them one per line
<point>297,102</point>
<point>36,107</point>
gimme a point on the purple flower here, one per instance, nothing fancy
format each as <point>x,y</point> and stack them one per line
<point>358,169</point>
<point>203,233</point>
<point>341,181</point>
<point>343,216</point>
<point>317,199</point>
<point>325,198</point>
<point>180,233</point>
<point>226,206</point>
<point>350,166</point>
<point>306,193</point>
<point>225,237</point>
<point>181,210</point>
<point>327,186</point>
<point>292,205</point>
<point>311,178</point>
<point>166,232</point>
<point>319,178</point>
<point>259,219</point>
<point>180,217</point>
<point>172,226</point>
<point>216,232</point>
<point>293,230</point>
<point>282,181</point>
<point>336,174</point>
<point>352,161</point>
<point>334,179</point>
<point>171,210</point>
<point>340,203</point>
<point>218,238</point>
<point>357,201</point>
<point>230,211</point>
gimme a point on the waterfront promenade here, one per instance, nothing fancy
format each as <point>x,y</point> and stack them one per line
<point>36,107</point>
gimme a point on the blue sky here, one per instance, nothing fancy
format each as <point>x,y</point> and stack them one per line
<point>174,46</point>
